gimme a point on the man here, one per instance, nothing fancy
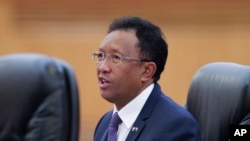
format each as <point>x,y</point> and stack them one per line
<point>130,61</point>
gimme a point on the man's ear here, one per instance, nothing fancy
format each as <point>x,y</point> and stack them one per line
<point>149,69</point>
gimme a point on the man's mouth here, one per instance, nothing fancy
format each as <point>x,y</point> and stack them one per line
<point>103,83</point>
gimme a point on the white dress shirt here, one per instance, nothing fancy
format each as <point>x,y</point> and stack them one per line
<point>129,112</point>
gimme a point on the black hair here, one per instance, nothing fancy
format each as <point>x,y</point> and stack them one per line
<point>152,44</point>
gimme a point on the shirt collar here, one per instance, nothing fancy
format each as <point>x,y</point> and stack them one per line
<point>129,112</point>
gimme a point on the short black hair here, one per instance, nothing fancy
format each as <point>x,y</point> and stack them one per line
<point>152,44</point>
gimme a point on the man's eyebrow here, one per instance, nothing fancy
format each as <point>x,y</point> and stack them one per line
<point>113,50</point>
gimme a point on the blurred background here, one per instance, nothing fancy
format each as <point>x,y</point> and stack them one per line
<point>197,31</point>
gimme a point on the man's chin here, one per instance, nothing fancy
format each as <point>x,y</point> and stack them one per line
<point>107,97</point>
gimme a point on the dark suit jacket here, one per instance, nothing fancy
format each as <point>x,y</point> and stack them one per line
<point>161,119</point>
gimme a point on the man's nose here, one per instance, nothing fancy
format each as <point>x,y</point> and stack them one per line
<point>103,66</point>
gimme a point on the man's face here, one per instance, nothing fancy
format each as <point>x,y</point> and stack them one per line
<point>120,83</point>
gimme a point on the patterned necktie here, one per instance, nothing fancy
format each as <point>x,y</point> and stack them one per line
<point>113,127</point>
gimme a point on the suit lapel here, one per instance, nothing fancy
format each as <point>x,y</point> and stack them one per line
<point>135,130</point>
<point>144,114</point>
<point>105,135</point>
<point>105,126</point>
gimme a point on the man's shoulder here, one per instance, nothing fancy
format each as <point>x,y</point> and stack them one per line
<point>168,106</point>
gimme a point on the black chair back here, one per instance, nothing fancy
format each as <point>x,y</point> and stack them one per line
<point>219,95</point>
<point>38,99</point>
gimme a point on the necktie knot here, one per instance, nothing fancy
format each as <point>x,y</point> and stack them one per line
<point>115,120</point>
<point>113,127</point>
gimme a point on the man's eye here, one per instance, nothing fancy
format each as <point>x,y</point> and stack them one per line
<point>116,57</point>
<point>100,56</point>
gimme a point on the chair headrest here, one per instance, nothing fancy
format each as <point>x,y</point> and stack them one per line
<point>34,86</point>
<point>219,95</point>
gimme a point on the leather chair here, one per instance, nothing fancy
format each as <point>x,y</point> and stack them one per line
<point>38,99</point>
<point>219,95</point>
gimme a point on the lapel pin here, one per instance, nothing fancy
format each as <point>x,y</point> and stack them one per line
<point>134,129</point>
